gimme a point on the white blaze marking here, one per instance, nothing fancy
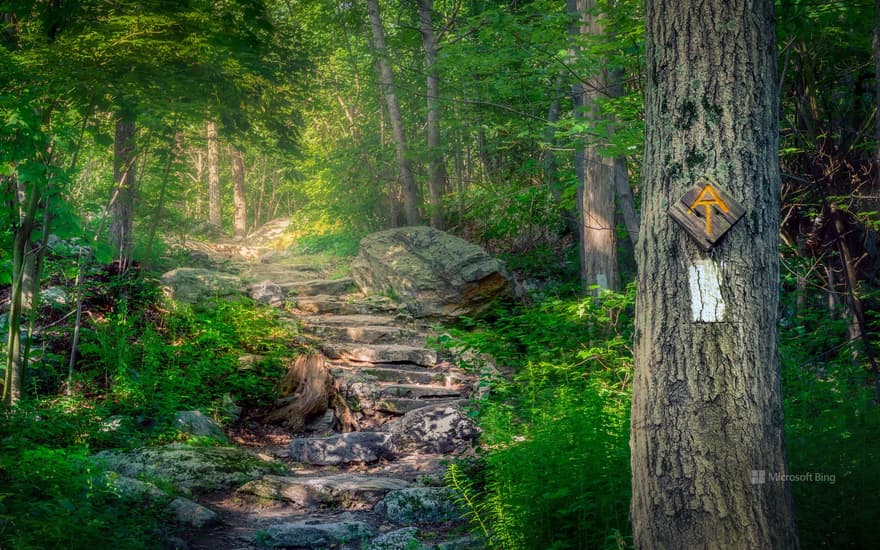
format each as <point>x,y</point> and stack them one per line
<point>707,304</point>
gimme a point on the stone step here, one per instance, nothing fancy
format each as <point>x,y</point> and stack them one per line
<point>321,304</point>
<point>418,391</point>
<point>390,372</point>
<point>403,405</point>
<point>315,534</point>
<point>363,334</point>
<point>350,320</point>
<point>344,448</point>
<point>381,353</point>
<point>320,287</point>
<point>279,276</point>
<point>348,491</point>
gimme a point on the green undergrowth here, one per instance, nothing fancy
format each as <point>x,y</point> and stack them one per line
<point>139,363</point>
<point>553,468</point>
<point>832,423</point>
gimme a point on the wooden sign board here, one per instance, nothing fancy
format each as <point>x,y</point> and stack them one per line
<point>706,212</point>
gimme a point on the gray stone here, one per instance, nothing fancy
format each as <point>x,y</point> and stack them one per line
<point>54,296</point>
<point>342,448</point>
<point>199,286</point>
<point>421,505</point>
<point>441,428</point>
<point>381,353</point>
<point>320,304</point>
<point>349,491</point>
<point>400,539</point>
<point>313,534</point>
<point>434,273</point>
<point>267,292</point>
<point>192,513</point>
<point>316,287</point>
<point>197,424</point>
<point>268,233</point>
<point>322,424</point>
<point>184,510</point>
<point>187,468</point>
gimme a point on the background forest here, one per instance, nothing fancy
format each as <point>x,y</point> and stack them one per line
<point>131,127</point>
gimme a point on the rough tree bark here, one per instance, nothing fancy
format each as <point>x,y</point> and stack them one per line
<point>215,208</point>
<point>239,203</point>
<point>597,183</point>
<point>436,164</point>
<point>386,77</point>
<point>707,441</point>
<point>122,205</point>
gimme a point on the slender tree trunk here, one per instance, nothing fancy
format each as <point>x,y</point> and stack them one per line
<point>408,183</point>
<point>707,441</point>
<point>598,235</point>
<point>215,207</point>
<point>239,201</point>
<point>14,378</point>
<point>436,163</point>
<point>122,208</point>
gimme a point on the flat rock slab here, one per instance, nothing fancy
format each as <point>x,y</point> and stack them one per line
<point>342,449</point>
<point>314,287</point>
<point>349,491</point>
<point>381,353</point>
<point>351,320</point>
<point>421,505</point>
<point>398,374</point>
<point>370,334</point>
<point>188,469</point>
<point>405,405</point>
<point>322,304</point>
<point>193,285</point>
<point>314,534</point>
<point>418,391</point>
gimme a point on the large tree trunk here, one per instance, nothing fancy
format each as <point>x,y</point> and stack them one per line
<point>239,204</point>
<point>122,205</point>
<point>436,164</point>
<point>708,448</point>
<point>215,207</point>
<point>408,183</point>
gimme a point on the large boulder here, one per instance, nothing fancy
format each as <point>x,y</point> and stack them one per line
<point>434,273</point>
<point>200,286</point>
<point>442,428</point>
<point>188,469</point>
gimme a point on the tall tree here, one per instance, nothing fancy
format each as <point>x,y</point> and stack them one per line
<point>436,165</point>
<point>386,77</point>
<point>596,188</point>
<point>122,202</point>
<point>708,449</point>
<point>239,203</point>
<point>215,207</point>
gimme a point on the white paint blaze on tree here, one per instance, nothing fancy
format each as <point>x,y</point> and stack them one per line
<point>707,410</point>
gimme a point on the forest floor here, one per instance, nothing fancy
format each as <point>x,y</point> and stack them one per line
<point>347,490</point>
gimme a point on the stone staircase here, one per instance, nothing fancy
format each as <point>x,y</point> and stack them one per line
<point>377,488</point>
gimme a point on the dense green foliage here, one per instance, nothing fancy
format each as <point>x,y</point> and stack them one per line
<point>140,363</point>
<point>556,432</point>
<point>292,85</point>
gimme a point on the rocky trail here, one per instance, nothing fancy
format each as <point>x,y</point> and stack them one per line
<point>364,471</point>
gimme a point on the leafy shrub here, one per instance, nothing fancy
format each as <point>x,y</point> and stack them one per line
<point>554,470</point>
<point>52,494</point>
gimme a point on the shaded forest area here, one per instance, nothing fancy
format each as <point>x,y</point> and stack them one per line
<point>130,128</point>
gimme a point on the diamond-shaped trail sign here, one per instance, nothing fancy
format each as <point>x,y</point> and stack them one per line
<point>706,212</point>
